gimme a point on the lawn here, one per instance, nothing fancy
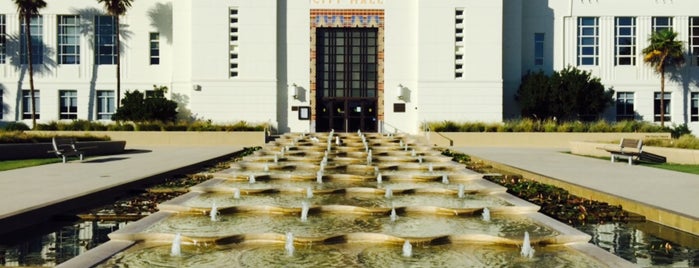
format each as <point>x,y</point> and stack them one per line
<point>15,164</point>
<point>691,169</point>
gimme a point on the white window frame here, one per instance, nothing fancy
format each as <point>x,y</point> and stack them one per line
<point>105,104</point>
<point>67,104</point>
<point>154,42</point>
<point>68,40</point>
<point>539,48</point>
<point>625,99</point>
<point>659,25</point>
<point>233,43</point>
<point>694,40</point>
<point>666,104</point>
<point>3,38</point>
<point>694,107</point>
<point>36,32</point>
<point>625,41</point>
<point>588,39</point>
<point>105,41</point>
<point>26,103</point>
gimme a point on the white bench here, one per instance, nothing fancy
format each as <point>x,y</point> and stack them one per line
<point>64,147</point>
<point>628,148</point>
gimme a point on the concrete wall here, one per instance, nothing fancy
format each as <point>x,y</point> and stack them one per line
<point>139,139</point>
<point>673,155</point>
<point>529,139</point>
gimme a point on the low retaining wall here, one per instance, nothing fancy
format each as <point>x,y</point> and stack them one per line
<point>137,139</point>
<point>673,155</point>
<point>41,150</point>
<point>530,139</point>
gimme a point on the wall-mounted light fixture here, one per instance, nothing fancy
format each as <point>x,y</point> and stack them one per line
<point>196,87</point>
<point>295,91</point>
<point>400,92</point>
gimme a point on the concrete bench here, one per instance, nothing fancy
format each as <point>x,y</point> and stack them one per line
<point>64,147</point>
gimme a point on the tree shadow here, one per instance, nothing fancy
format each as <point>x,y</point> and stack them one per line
<point>87,30</point>
<point>161,19</point>
<point>14,44</point>
<point>683,76</point>
<point>183,113</point>
<point>4,108</point>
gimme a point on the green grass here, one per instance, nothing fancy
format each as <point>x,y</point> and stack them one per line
<point>691,169</point>
<point>15,164</point>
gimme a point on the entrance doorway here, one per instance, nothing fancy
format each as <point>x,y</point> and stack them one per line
<point>346,79</point>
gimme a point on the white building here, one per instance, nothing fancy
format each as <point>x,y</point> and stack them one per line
<point>316,65</point>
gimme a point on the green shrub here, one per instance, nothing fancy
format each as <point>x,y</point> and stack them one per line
<point>680,130</point>
<point>600,126</point>
<point>148,126</point>
<point>549,125</point>
<point>15,126</point>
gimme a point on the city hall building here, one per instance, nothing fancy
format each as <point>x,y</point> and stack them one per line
<point>347,65</point>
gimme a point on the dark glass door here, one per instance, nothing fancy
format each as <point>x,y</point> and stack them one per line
<point>346,79</point>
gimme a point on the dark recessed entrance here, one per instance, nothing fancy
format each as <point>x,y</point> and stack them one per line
<point>346,79</point>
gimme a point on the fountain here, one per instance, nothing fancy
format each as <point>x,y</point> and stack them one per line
<point>309,192</point>
<point>304,211</point>
<point>527,250</point>
<point>407,249</point>
<point>350,207</point>
<point>486,214</point>
<point>289,245</point>
<point>368,159</point>
<point>419,159</point>
<point>176,248</point>
<point>213,214</point>
<point>276,159</point>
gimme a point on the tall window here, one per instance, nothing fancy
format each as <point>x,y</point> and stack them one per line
<point>459,43</point>
<point>662,23</point>
<point>625,41</point>
<point>154,48</point>
<point>27,104</point>
<point>69,39</point>
<point>666,104</point>
<point>3,39</point>
<point>36,33</point>
<point>694,107</point>
<point>2,104</point>
<point>105,104</point>
<point>68,104</point>
<point>624,106</point>
<point>588,40</point>
<point>694,39</point>
<point>105,40</point>
<point>539,49</point>
<point>233,42</point>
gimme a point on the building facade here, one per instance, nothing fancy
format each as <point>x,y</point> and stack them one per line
<point>347,65</point>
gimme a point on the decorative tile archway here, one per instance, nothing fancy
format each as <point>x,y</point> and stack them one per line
<point>347,18</point>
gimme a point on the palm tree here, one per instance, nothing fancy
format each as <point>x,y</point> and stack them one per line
<point>117,8</point>
<point>664,51</point>
<point>27,9</point>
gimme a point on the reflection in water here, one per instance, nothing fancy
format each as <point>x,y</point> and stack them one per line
<point>56,246</point>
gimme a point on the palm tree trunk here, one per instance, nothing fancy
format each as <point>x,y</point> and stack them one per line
<point>662,97</point>
<point>118,62</point>
<point>28,35</point>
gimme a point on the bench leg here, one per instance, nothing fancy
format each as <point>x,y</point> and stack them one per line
<point>81,157</point>
<point>613,158</point>
<point>64,159</point>
<point>630,161</point>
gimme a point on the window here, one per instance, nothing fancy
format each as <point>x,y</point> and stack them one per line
<point>27,104</point>
<point>666,104</point>
<point>539,49</point>
<point>69,39</point>
<point>105,40</point>
<point>624,106</point>
<point>625,41</point>
<point>693,40</point>
<point>233,42</point>
<point>154,48</point>
<point>35,31</point>
<point>588,40</point>
<point>68,104</point>
<point>3,38</point>
<point>694,112</point>
<point>459,43</point>
<point>2,104</point>
<point>105,104</point>
<point>662,23</point>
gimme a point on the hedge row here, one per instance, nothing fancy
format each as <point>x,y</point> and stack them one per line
<point>84,125</point>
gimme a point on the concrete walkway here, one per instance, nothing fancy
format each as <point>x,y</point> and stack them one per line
<point>31,195</point>
<point>667,197</point>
